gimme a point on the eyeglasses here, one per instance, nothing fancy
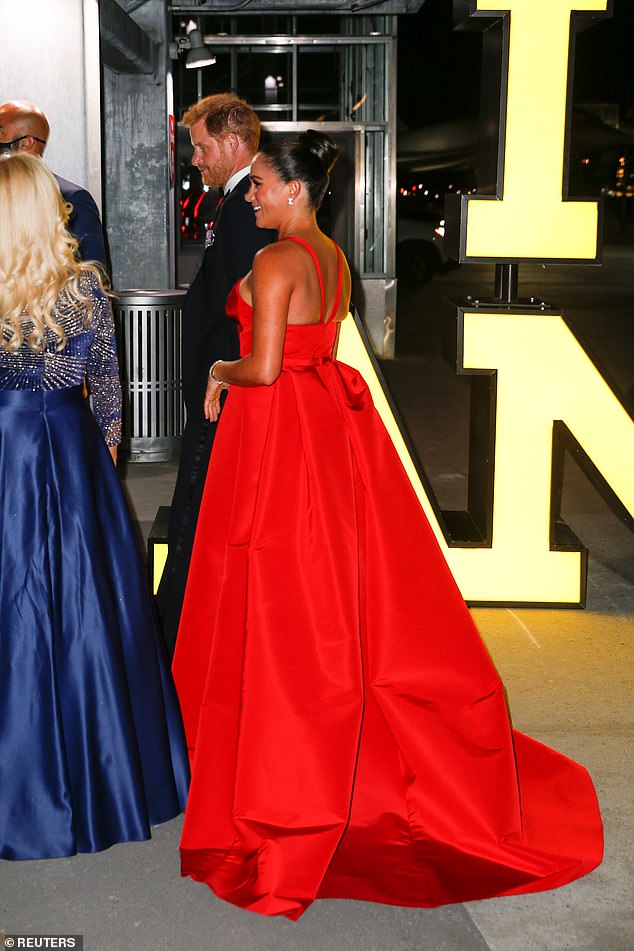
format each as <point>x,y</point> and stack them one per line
<point>11,146</point>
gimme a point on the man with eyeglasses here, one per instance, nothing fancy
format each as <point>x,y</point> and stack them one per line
<point>25,128</point>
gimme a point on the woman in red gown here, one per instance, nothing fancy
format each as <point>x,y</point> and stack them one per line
<point>347,730</point>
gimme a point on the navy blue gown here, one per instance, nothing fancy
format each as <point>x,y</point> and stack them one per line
<point>91,742</point>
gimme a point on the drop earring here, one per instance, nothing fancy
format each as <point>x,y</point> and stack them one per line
<point>291,200</point>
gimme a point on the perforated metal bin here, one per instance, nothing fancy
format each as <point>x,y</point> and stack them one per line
<point>148,328</point>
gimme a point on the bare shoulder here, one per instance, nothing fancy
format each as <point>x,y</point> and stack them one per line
<point>281,257</point>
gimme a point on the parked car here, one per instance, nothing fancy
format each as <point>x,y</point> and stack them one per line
<point>420,249</point>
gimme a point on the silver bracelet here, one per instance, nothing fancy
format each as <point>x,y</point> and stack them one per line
<point>214,379</point>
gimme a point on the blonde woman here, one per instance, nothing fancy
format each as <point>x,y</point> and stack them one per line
<point>91,749</point>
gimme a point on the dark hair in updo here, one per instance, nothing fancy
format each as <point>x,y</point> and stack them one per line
<point>308,157</point>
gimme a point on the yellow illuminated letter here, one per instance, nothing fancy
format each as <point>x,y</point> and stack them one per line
<point>529,218</point>
<point>543,375</point>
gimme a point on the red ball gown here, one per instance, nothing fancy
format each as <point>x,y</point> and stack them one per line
<point>348,732</point>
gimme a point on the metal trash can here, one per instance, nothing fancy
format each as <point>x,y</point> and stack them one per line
<point>148,328</point>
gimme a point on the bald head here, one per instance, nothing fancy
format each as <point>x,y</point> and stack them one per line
<point>25,121</point>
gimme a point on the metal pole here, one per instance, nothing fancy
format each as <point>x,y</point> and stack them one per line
<point>506,282</point>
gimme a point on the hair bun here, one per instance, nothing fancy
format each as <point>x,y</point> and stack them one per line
<point>307,157</point>
<point>321,146</point>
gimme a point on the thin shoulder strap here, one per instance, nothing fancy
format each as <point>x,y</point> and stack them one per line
<point>335,306</point>
<point>305,244</point>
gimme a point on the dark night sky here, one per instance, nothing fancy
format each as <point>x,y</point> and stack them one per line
<point>439,68</point>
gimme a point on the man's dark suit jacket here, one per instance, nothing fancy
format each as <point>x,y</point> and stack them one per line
<point>208,335</point>
<point>84,223</point>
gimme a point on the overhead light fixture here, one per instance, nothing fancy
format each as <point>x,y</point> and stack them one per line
<point>193,44</point>
<point>199,54</point>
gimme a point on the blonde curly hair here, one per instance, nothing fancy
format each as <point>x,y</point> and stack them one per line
<point>40,274</point>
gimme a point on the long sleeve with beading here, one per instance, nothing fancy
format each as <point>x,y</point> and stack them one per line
<point>89,355</point>
<point>102,371</point>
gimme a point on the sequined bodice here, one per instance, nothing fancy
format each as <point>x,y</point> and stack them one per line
<point>89,355</point>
